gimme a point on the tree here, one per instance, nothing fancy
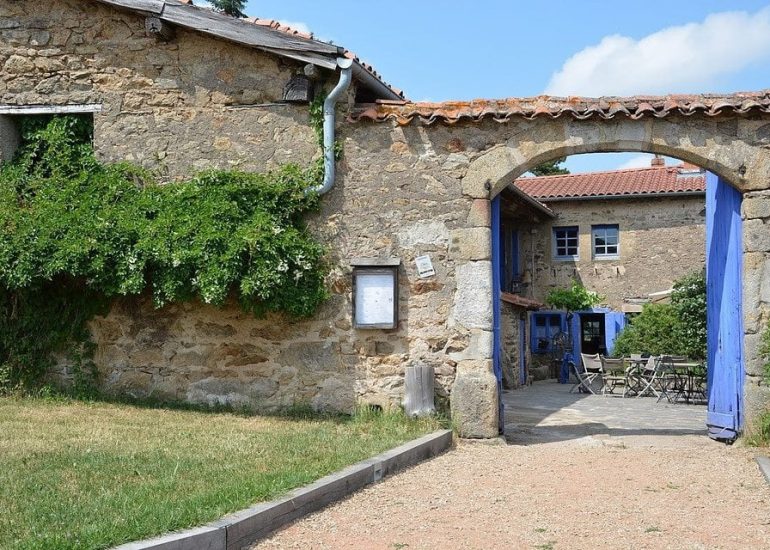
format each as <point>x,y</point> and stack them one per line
<point>553,168</point>
<point>655,331</point>
<point>575,298</point>
<point>689,301</point>
<point>230,7</point>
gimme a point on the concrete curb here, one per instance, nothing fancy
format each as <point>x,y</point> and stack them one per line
<point>764,466</point>
<point>247,526</point>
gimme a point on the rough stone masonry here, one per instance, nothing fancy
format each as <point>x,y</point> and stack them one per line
<point>196,102</point>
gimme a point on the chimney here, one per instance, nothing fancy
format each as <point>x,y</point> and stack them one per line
<point>657,160</point>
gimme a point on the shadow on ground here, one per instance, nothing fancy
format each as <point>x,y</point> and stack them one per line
<point>547,412</point>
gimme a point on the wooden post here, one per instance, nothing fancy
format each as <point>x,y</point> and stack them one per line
<point>419,388</point>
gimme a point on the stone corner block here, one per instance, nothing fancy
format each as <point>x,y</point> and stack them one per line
<point>474,243</point>
<point>490,168</point>
<point>756,236</point>
<point>473,296</point>
<point>474,404</point>
<point>480,214</point>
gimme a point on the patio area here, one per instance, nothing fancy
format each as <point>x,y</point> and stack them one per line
<point>547,411</point>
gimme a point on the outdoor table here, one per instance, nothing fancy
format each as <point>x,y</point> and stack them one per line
<point>689,372</point>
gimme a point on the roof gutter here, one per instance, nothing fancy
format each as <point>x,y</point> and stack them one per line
<point>330,119</point>
<point>626,196</point>
<point>369,81</point>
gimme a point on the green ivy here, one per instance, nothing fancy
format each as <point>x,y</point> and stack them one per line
<point>75,232</point>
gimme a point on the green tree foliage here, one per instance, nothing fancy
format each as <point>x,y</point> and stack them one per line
<point>653,331</point>
<point>75,232</point>
<point>553,168</point>
<point>689,301</point>
<point>575,298</point>
<point>678,328</point>
<point>230,7</point>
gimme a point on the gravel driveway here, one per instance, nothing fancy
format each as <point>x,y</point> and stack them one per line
<point>574,474</point>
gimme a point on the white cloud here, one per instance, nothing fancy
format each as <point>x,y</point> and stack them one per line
<point>684,58</point>
<point>640,161</point>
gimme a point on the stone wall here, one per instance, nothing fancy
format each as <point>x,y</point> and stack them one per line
<point>402,191</point>
<point>661,240</point>
<point>176,108</point>
<point>511,350</point>
<point>755,211</point>
<point>173,107</point>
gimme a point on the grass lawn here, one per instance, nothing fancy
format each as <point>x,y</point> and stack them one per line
<point>92,475</point>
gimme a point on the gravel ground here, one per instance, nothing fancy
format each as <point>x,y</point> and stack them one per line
<point>584,493</point>
<point>576,472</point>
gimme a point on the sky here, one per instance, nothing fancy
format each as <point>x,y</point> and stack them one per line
<point>438,51</point>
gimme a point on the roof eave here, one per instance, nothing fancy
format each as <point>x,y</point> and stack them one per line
<point>532,201</point>
<point>669,194</point>
<point>300,48</point>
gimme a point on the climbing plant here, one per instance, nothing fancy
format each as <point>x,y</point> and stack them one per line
<point>75,232</point>
<point>575,298</point>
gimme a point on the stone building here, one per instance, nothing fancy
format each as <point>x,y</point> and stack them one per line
<point>626,234</point>
<point>176,88</point>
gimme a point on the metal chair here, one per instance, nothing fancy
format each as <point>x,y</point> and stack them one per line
<point>616,372</point>
<point>587,372</point>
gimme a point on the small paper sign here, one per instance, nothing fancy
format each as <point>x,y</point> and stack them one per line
<point>424,267</point>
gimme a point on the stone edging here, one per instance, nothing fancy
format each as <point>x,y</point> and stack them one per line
<point>764,466</point>
<point>247,526</point>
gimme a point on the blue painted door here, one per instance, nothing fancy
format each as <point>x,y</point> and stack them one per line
<point>614,321</point>
<point>522,352</point>
<point>724,262</point>
<point>496,263</point>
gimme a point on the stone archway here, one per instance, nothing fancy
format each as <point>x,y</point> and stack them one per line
<point>732,148</point>
<point>469,152</point>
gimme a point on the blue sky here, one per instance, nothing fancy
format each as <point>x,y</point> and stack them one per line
<point>437,51</point>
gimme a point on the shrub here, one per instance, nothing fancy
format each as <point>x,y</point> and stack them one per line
<point>654,331</point>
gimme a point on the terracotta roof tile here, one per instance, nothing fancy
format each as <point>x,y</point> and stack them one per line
<point>451,112</point>
<point>654,180</point>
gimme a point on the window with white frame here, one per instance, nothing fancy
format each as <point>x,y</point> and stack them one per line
<point>565,243</point>
<point>606,241</point>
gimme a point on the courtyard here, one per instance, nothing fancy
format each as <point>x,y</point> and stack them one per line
<point>574,471</point>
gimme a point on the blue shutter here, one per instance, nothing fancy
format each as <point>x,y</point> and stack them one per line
<point>724,265</point>
<point>575,332</point>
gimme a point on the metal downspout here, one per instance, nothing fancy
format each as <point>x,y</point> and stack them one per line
<point>329,123</point>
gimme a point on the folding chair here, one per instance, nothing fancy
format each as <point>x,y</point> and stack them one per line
<point>615,372</point>
<point>588,370</point>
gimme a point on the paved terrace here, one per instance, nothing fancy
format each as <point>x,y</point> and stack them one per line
<point>546,411</point>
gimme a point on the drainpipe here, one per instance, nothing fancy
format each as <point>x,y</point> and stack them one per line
<point>329,122</point>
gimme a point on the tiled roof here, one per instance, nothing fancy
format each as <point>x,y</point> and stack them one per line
<point>654,180</point>
<point>521,301</point>
<point>321,50</point>
<point>502,110</point>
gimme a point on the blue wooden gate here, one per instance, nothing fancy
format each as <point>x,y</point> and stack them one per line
<point>522,352</point>
<point>724,263</point>
<point>496,276</point>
